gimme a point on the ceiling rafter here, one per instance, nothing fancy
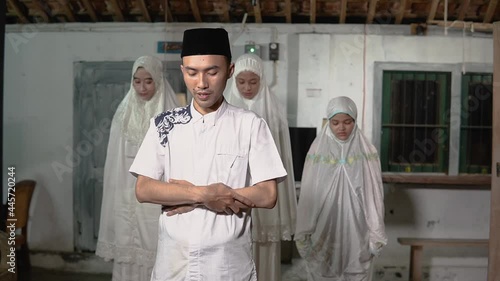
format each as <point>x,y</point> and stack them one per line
<point>257,12</point>
<point>433,9</point>
<point>463,9</point>
<point>288,11</point>
<point>371,11</point>
<point>117,11</point>
<point>144,10</point>
<point>225,11</point>
<point>168,13</point>
<point>42,9</point>
<point>401,12</point>
<point>313,11</point>
<point>19,12</point>
<point>343,11</point>
<point>89,9</point>
<point>67,10</point>
<point>195,10</point>
<point>491,11</point>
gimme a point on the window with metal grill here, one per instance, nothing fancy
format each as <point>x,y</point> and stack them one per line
<point>415,121</point>
<point>476,123</point>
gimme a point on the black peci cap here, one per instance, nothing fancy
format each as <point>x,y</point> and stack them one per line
<point>206,41</point>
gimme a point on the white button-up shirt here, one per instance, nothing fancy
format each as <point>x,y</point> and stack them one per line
<point>231,145</point>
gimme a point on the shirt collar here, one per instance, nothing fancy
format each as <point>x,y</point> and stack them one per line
<point>210,118</point>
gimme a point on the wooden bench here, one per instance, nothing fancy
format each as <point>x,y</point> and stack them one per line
<point>417,245</point>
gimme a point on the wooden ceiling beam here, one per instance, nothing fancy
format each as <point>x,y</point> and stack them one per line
<point>144,10</point>
<point>488,17</point>
<point>313,11</point>
<point>463,9</point>
<point>371,11</point>
<point>343,11</point>
<point>17,9</point>
<point>478,26</point>
<point>225,12</point>
<point>256,12</point>
<point>117,11</point>
<point>401,12</point>
<point>168,13</point>
<point>42,9</point>
<point>195,10</point>
<point>288,11</point>
<point>433,9</point>
<point>89,9</point>
<point>67,10</point>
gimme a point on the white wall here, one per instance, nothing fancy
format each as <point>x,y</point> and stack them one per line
<point>332,60</point>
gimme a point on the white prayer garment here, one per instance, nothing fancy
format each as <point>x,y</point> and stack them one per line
<point>340,223</point>
<point>128,231</point>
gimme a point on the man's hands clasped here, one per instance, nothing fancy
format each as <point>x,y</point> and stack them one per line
<point>216,197</point>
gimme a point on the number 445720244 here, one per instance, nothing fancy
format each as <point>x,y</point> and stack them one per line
<point>11,183</point>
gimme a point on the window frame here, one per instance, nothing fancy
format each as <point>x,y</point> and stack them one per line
<point>454,130</point>
<point>444,80</point>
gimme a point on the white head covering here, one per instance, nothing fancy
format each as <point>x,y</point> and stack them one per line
<point>342,105</point>
<point>340,219</point>
<point>278,223</point>
<point>133,113</point>
<point>264,103</point>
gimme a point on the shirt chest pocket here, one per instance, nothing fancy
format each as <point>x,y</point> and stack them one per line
<point>231,168</point>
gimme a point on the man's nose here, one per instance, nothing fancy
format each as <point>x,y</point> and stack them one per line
<point>202,81</point>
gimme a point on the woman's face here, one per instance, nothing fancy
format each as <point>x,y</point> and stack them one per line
<point>248,84</point>
<point>144,84</point>
<point>342,125</point>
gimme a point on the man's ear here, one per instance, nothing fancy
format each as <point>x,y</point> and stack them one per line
<point>182,68</point>
<point>231,70</point>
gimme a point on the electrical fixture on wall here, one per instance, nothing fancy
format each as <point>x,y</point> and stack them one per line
<point>274,51</point>
<point>252,48</point>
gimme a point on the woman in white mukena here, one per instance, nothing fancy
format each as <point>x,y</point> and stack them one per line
<point>128,232</point>
<point>340,221</point>
<point>249,90</point>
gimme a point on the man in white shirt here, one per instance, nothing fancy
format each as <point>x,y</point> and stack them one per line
<point>208,163</point>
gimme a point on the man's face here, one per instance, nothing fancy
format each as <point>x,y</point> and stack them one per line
<point>206,77</point>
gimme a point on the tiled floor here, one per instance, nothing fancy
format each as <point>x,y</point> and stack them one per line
<point>290,272</point>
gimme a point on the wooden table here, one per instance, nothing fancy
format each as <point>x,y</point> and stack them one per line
<point>417,246</point>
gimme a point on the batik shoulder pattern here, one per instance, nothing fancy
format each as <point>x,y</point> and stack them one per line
<point>166,121</point>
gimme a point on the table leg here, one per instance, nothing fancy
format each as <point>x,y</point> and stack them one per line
<point>416,263</point>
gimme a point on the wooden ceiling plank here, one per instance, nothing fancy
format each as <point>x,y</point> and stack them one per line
<point>17,9</point>
<point>256,12</point>
<point>42,9</point>
<point>225,14</point>
<point>195,10</point>
<point>67,10</point>
<point>491,11</point>
<point>288,11</point>
<point>371,11</point>
<point>463,9</point>
<point>433,10</point>
<point>313,11</point>
<point>117,11</point>
<point>400,14</point>
<point>89,9</point>
<point>478,26</point>
<point>168,13</point>
<point>144,10</point>
<point>343,11</point>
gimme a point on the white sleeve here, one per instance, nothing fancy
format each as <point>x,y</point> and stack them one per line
<point>264,160</point>
<point>150,158</point>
